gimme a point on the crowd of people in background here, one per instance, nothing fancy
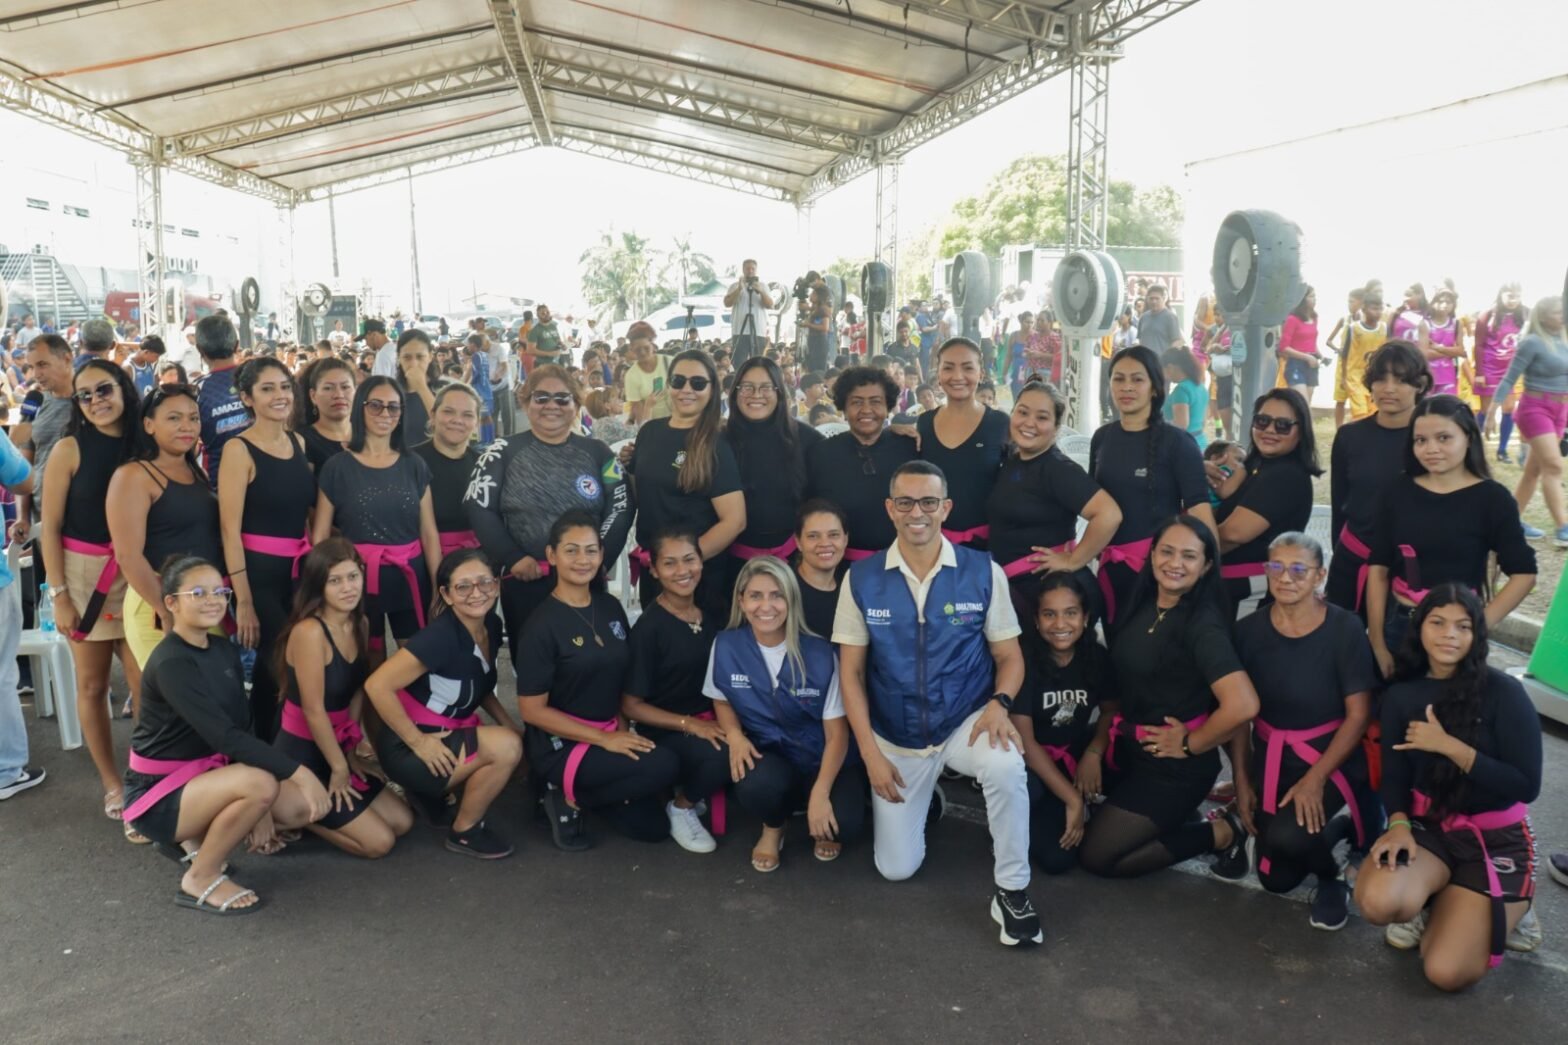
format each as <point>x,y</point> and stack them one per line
<point>860,568</point>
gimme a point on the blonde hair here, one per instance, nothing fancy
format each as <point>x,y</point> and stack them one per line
<point>450,388</point>
<point>794,617</point>
<point>1546,304</point>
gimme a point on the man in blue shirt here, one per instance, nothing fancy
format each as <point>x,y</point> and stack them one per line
<point>16,475</point>
<point>923,629</point>
<point>223,416</point>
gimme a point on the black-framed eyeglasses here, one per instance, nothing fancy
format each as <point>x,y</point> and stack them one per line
<point>558,398</point>
<point>104,391</point>
<point>1282,425</point>
<point>206,593</point>
<point>699,383</point>
<point>1297,570</point>
<point>905,505</point>
<point>390,407</point>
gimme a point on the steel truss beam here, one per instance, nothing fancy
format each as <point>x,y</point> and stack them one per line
<point>514,44</point>
<point>606,78</point>
<point>1102,30</point>
<point>1087,137</point>
<point>149,243</point>
<point>666,160</point>
<point>449,85</point>
<point>430,165</point>
<point>1038,23</point>
<point>67,114</point>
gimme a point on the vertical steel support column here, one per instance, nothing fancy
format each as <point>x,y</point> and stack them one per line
<point>149,241</point>
<point>1087,196</point>
<point>287,302</point>
<point>413,250</point>
<point>332,221</point>
<point>886,250</point>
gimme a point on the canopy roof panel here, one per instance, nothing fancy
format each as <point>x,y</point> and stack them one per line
<point>292,99</point>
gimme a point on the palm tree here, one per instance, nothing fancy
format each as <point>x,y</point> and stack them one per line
<point>690,263</point>
<point>616,275</point>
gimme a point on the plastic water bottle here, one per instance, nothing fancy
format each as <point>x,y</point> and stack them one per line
<point>46,609</point>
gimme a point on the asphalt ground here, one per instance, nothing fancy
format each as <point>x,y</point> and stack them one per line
<point>648,943</point>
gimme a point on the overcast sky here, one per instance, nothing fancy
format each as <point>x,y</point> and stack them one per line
<point>1222,76</point>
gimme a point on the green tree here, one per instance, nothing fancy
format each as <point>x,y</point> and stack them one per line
<point>617,276</point>
<point>692,266</point>
<point>1026,202</point>
<point>848,270</point>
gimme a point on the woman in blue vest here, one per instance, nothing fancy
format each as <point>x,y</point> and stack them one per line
<point>775,692</point>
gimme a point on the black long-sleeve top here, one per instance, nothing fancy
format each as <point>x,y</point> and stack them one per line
<point>194,705</point>
<point>1508,746</point>
<point>1366,459</point>
<point>1452,534</point>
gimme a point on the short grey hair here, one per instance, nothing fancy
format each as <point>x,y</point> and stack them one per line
<point>1296,539</point>
<point>97,335</point>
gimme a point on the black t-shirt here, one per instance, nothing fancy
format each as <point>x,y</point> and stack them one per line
<point>1170,671</point>
<point>656,478</point>
<point>1119,461</point>
<point>855,478</point>
<point>1280,490</point>
<point>376,505</point>
<point>1062,699</point>
<point>1508,746</point>
<point>558,655</point>
<point>1037,501</point>
<point>772,485</point>
<point>458,676</point>
<point>1303,682</point>
<point>319,449</point>
<point>1452,534</point>
<point>1365,461</point>
<point>970,467</point>
<point>669,661</point>
<point>818,607</point>
<point>448,482</point>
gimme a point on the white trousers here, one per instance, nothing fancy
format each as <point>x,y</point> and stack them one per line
<point>900,828</point>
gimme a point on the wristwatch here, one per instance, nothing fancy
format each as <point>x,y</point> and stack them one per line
<point>1004,700</point>
<point>1184,748</point>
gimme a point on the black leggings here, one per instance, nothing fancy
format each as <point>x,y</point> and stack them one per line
<point>1149,818</point>
<point>272,591</point>
<point>1287,852</point>
<point>395,605</point>
<point>1047,821</point>
<point>630,794</point>
<point>704,770</point>
<point>1341,587</point>
<point>777,787</point>
<point>519,599</point>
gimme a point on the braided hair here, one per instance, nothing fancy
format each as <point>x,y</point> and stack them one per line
<point>1155,432</point>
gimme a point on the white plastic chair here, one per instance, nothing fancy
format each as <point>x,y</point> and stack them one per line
<point>54,672</point>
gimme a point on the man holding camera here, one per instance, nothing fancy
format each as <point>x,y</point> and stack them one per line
<point>748,301</point>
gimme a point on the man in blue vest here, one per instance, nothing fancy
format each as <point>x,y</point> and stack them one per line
<point>929,664</point>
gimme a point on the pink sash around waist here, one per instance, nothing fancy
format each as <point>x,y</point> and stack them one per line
<point>746,551</point>
<point>455,540</point>
<point>1133,555</point>
<point>974,533</point>
<point>574,757</point>
<point>1277,740</point>
<point>106,579</point>
<point>344,730</point>
<point>1478,824</point>
<point>420,715</point>
<point>1025,564</point>
<point>173,774</point>
<point>399,556</point>
<point>1357,547</point>
<point>1119,729</point>
<point>295,548</point>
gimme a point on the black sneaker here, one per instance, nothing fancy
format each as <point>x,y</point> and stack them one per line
<point>938,807</point>
<point>439,810</point>
<point>1011,909</point>
<point>566,823</point>
<point>1233,862</point>
<point>30,778</point>
<point>1330,906</point>
<point>479,842</point>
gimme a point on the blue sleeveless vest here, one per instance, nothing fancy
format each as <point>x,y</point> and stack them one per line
<point>786,717</point>
<point>923,679</point>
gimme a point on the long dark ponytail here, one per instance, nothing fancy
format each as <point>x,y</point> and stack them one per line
<point>1459,699</point>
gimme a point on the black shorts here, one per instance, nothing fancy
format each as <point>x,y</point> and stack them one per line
<point>1510,849</point>
<point>1168,791</point>
<point>162,821</point>
<point>403,766</point>
<point>306,753</point>
<point>1224,391</point>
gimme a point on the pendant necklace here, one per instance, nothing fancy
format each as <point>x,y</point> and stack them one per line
<point>694,625</point>
<point>1159,615</point>
<point>592,622</point>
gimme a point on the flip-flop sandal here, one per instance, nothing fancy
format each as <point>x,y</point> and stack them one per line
<point>134,836</point>
<point>183,858</point>
<point>271,848</point>
<point>199,903</point>
<point>114,803</point>
<point>766,863</point>
<point>827,852</point>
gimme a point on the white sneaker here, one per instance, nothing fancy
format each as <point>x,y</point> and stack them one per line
<point>687,830</point>
<point>1527,935</point>
<point>1406,936</point>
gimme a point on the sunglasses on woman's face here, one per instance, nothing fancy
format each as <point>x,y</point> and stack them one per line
<point>104,391</point>
<point>390,407</point>
<point>1282,425</point>
<point>1297,570</point>
<point>546,398</point>
<point>698,384</point>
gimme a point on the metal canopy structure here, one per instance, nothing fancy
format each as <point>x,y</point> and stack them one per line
<point>299,100</point>
<point>293,99</point>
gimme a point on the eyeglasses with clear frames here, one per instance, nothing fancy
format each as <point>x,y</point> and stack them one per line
<point>466,589</point>
<point>200,594</point>
<point>1298,570</point>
